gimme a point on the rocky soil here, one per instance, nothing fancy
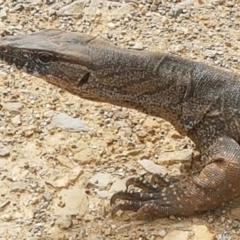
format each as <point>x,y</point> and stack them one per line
<point>62,157</point>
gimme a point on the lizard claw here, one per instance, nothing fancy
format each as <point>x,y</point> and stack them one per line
<point>126,205</point>
<point>144,209</point>
<point>145,202</point>
<point>141,183</point>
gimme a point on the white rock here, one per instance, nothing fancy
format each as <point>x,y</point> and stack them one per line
<point>4,152</point>
<point>177,235</point>
<point>16,120</point>
<point>201,232</point>
<point>162,232</point>
<point>18,186</point>
<point>138,46</point>
<point>68,123</point>
<point>151,167</point>
<point>100,180</point>
<point>174,157</point>
<point>118,185</point>
<point>72,8</point>
<point>74,202</point>
<point>111,25</point>
<point>12,106</point>
<point>64,221</point>
<point>210,53</point>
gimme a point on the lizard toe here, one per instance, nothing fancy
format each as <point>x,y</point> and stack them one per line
<point>142,183</point>
<point>150,200</point>
<point>153,208</point>
<point>149,208</point>
<point>125,205</point>
<point>154,184</point>
<point>134,196</point>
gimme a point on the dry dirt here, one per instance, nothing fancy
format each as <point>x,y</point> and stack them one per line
<point>56,184</point>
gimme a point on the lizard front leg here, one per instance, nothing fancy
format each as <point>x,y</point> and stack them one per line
<point>217,183</point>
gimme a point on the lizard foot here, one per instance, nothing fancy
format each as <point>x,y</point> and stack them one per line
<point>146,201</point>
<point>218,182</point>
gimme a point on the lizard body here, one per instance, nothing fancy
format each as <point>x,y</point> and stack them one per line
<point>202,102</point>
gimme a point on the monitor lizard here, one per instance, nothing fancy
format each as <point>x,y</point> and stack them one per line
<point>201,102</point>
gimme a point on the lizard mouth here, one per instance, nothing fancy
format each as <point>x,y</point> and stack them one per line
<point>16,59</point>
<point>12,59</point>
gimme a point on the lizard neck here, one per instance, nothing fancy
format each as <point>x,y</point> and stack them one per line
<point>151,83</point>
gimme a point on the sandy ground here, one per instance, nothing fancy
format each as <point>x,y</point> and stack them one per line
<point>55,183</point>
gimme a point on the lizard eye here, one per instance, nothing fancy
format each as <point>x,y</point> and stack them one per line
<point>45,57</point>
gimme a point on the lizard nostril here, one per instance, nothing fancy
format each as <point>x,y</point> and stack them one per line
<point>45,57</point>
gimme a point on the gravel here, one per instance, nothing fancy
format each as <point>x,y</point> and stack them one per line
<point>39,164</point>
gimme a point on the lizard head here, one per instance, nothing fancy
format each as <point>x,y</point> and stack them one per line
<point>61,58</point>
<point>81,64</point>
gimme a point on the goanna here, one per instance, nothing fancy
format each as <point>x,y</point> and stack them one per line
<point>202,102</point>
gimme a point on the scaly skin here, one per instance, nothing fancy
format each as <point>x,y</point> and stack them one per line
<point>200,101</point>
